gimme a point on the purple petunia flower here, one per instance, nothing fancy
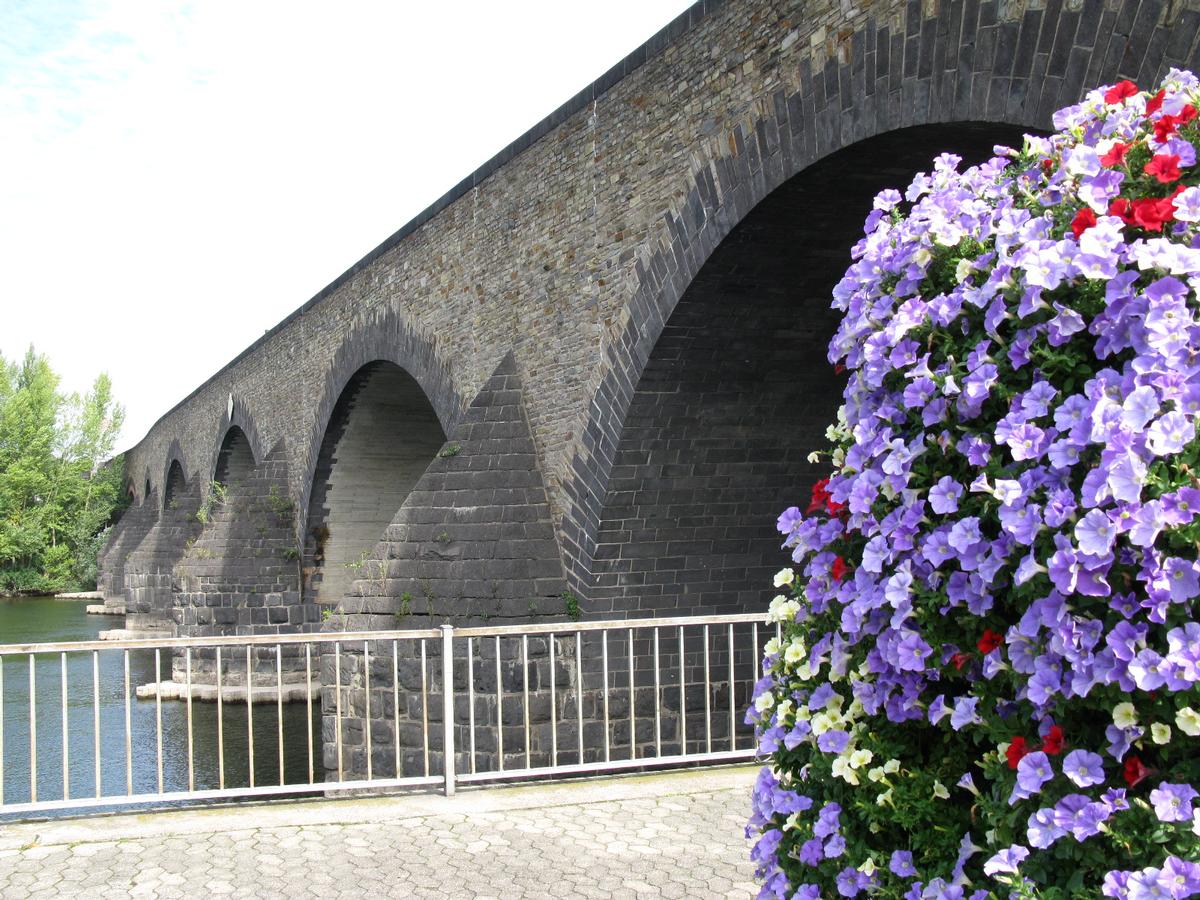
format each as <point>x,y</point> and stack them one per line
<point>901,864</point>
<point>1182,877</point>
<point>1120,740</point>
<point>1033,771</point>
<point>964,713</point>
<point>1080,815</point>
<point>1007,861</point>
<point>851,882</point>
<point>1182,578</point>
<point>812,852</point>
<point>944,496</point>
<point>965,534</point>
<point>1095,533</point>
<point>1084,768</point>
<point>827,820</point>
<point>1147,670</point>
<point>835,846</point>
<point>1042,829</point>
<point>1173,802</point>
<point>833,741</point>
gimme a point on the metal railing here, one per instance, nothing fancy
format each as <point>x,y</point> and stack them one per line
<point>396,709</point>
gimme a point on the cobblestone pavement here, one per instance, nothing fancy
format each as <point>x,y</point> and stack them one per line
<point>662,835</point>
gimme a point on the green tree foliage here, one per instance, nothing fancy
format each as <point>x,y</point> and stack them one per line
<point>59,491</point>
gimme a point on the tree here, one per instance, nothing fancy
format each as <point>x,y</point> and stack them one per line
<point>57,492</point>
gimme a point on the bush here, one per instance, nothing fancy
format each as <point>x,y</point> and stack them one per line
<point>987,677</point>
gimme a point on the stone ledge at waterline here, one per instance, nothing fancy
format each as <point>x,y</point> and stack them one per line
<point>288,692</point>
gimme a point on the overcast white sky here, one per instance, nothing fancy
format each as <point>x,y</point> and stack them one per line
<point>175,178</point>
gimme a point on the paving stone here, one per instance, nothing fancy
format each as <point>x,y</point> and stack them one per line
<point>589,848</point>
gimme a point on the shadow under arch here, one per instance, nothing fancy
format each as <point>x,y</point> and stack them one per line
<point>175,483</point>
<point>714,409</point>
<point>235,458</point>
<point>382,433</point>
<point>239,427</point>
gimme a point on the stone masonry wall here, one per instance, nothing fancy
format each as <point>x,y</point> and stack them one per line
<point>129,531</point>
<point>241,573</point>
<point>148,568</point>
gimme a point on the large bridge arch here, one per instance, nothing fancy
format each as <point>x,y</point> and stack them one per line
<point>876,73</point>
<point>735,391</point>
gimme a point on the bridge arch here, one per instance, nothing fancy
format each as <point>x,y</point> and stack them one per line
<point>701,429</point>
<point>381,434</point>
<point>176,484</point>
<point>384,337</point>
<point>235,458</point>
<point>239,443</point>
<point>174,480</point>
<point>881,74</point>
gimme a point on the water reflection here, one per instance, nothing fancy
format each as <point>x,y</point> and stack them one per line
<point>44,619</point>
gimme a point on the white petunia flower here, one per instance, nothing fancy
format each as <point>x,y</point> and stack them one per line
<point>1124,715</point>
<point>1188,721</point>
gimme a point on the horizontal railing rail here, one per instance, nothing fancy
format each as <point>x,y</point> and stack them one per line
<point>352,711</point>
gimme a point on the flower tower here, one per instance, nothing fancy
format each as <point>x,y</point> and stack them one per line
<point>986,681</point>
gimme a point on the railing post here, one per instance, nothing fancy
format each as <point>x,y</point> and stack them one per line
<point>448,707</point>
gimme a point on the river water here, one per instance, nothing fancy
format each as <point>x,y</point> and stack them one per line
<point>44,619</point>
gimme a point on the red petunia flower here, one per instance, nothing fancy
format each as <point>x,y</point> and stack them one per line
<point>1115,155</point>
<point>1154,104</point>
<point>1052,744</point>
<point>1017,750</point>
<point>1164,128</point>
<point>1084,219</point>
<point>1164,167</point>
<point>1186,114</point>
<point>1134,770</point>
<point>1119,92</point>
<point>820,495</point>
<point>1122,209</point>
<point>1152,214</point>
<point>1047,164</point>
<point>990,641</point>
<point>838,569</point>
<point>960,659</point>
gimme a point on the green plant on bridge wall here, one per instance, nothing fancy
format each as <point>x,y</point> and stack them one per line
<point>571,605</point>
<point>59,491</point>
<point>214,499</point>
<point>281,507</point>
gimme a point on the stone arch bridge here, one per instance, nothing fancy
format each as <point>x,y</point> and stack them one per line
<point>593,371</point>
